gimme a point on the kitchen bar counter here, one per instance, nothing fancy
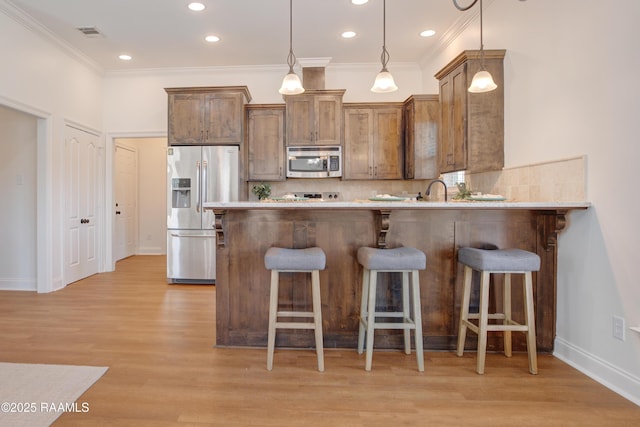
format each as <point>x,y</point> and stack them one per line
<point>247,229</point>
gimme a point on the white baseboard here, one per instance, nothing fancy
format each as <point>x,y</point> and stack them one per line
<point>17,284</point>
<point>150,250</point>
<point>610,376</point>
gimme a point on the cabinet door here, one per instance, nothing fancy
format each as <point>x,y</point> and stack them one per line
<point>421,121</point>
<point>223,118</point>
<point>387,143</point>
<point>328,120</point>
<point>358,137</point>
<point>453,101</point>
<point>300,120</point>
<point>185,119</point>
<point>265,135</point>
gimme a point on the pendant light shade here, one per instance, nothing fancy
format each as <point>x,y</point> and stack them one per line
<point>291,84</point>
<point>384,80</point>
<point>482,82</point>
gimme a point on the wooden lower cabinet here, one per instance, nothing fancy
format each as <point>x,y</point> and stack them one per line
<point>242,283</point>
<point>265,143</point>
<point>373,146</point>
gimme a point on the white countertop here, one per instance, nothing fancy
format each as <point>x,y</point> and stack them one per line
<point>386,205</point>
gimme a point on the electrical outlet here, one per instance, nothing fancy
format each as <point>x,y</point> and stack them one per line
<point>618,328</point>
<point>333,196</point>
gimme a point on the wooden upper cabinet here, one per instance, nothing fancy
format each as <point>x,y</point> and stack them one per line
<point>471,124</point>
<point>421,124</point>
<point>206,115</point>
<point>265,142</point>
<point>373,146</point>
<point>314,118</point>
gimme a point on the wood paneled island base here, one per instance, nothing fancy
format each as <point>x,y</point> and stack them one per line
<point>246,230</point>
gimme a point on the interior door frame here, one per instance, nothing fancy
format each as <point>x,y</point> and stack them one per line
<point>109,193</point>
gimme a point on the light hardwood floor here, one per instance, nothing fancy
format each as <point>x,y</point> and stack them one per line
<point>158,342</point>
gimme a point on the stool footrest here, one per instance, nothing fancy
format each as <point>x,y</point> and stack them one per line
<point>404,325</point>
<point>295,325</point>
<point>295,314</point>
<point>512,326</point>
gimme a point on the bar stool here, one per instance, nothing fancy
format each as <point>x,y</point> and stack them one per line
<point>404,260</point>
<point>281,260</point>
<point>487,262</point>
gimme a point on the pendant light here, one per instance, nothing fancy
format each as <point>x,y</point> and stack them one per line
<point>482,80</point>
<point>384,80</point>
<point>291,84</point>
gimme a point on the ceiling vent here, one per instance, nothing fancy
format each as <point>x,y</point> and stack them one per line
<point>90,31</point>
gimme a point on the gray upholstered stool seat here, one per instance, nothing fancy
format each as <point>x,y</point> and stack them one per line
<point>283,260</point>
<point>396,259</point>
<point>403,260</point>
<point>499,260</point>
<point>487,262</point>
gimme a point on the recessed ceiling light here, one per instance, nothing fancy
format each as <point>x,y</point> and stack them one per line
<point>125,57</point>
<point>348,34</point>
<point>359,2</point>
<point>212,39</point>
<point>196,7</point>
<point>427,33</point>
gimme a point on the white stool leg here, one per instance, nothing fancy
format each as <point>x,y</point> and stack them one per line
<point>317,317</point>
<point>417,318</point>
<point>371,317</point>
<point>273,310</point>
<point>507,314</point>
<point>363,309</point>
<point>406,311</point>
<point>531,332</point>
<point>464,309</point>
<point>483,320</point>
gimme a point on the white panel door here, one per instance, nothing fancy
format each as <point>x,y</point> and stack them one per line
<point>81,190</point>
<point>126,181</point>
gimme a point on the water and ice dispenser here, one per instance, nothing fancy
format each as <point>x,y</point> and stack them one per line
<point>181,192</point>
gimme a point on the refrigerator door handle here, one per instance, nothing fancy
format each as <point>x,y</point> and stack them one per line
<point>204,180</point>
<point>198,186</point>
<point>208,236</point>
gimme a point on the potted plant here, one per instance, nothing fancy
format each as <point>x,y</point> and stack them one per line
<point>262,190</point>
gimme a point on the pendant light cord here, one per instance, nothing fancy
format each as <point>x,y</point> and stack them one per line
<point>455,2</point>
<point>465,8</point>
<point>384,57</point>
<point>291,58</point>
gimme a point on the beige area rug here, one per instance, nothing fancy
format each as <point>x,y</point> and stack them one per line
<point>35,395</point>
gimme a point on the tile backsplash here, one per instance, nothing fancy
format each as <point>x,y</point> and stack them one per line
<point>556,181</point>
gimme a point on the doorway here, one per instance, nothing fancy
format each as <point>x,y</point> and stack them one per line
<point>139,197</point>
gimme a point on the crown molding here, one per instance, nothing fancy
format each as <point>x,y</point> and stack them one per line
<point>28,22</point>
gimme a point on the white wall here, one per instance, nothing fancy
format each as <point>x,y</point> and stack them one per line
<point>571,89</point>
<point>38,78</point>
<point>18,200</point>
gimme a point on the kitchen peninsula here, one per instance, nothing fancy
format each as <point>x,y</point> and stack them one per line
<point>246,230</point>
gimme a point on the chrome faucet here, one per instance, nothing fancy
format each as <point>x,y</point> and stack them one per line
<point>433,182</point>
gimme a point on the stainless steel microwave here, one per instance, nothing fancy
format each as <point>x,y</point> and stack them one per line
<point>314,161</point>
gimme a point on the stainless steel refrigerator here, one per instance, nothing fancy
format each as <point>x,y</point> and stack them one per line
<point>195,175</point>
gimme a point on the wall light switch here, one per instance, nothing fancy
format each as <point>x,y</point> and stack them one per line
<point>618,328</point>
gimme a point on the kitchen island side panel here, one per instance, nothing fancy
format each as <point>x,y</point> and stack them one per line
<point>243,286</point>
